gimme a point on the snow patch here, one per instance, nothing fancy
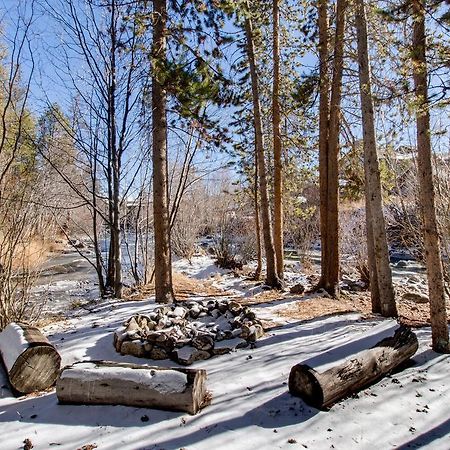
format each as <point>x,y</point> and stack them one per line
<point>12,344</point>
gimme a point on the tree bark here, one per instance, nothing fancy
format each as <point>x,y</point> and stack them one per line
<point>115,160</point>
<point>111,383</point>
<point>324,87</point>
<point>331,280</point>
<point>257,222</point>
<point>438,314</point>
<point>373,278</point>
<point>95,230</point>
<point>322,390</point>
<point>382,290</point>
<point>163,263</point>
<point>31,362</point>
<point>277,145</point>
<point>271,272</point>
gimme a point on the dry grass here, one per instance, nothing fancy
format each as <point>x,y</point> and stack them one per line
<point>184,288</point>
<point>34,253</point>
<point>31,255</point>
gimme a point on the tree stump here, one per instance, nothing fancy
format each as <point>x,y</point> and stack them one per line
<point>31,361</point>
<point>106,382</point>
<point>322,390</point>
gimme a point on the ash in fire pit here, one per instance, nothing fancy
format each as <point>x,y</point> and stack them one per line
<point>188,332</point>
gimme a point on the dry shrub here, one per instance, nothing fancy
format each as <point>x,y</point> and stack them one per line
<point>33,254</point>
<point>188,225</point>
<point>230,222</point>
<point>404,214</point>
<point>21,257</point>
<point>404,226</point>
<point>353,239</point>
<point>443,209</point>
<point>235,243</point>
<point>302,229</point>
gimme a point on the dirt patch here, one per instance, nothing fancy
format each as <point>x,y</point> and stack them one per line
<point>263,297</point>
<point>416,315</point>
<point>306,308</point>
<point>50,320</point>
<point>184,288</point>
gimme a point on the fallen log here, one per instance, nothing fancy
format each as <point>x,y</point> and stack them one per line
<point>322,390</point>
<point>30,360</point>
<point>112,383</point>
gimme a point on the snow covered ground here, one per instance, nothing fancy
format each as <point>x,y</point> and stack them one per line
<point>251,406</point>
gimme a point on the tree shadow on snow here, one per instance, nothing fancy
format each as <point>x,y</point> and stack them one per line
<point>281,411</point>
<point>439,431</point>
<point>330,351</point>
<point>46,410</point>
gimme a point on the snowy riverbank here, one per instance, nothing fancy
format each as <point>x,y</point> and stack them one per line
<point>251,406</point>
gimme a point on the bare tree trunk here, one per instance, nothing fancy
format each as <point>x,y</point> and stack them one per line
<point>381,284</point>
<point>277,149</point>
<point>163,263</point>
<point>115,160</point>
<point>438,313</point>
<point>271,272</point>
<point>324,81</point>
<point>95,231</point>
<point>257,222</point>
<point>331,281</point>
<point>373,278</point>
<point>110,268</point>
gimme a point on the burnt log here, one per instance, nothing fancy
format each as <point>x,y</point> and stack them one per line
<point>31,361</point>
<point>112,383</point>
<point>322,390</point>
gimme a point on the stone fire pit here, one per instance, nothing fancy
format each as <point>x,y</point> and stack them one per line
<point>189,331</point>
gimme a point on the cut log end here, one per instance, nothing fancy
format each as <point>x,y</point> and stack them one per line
<point>303,383</point>
<point>30,360</point>
<point>36,369</point>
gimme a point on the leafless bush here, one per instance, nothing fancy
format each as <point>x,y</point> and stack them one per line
<point>302,229</point>
<point>187,226</point>
<point>404,226</point>
<point>234,241</point>
<point>354,238</point>
<point>21,255</point>
<point>138,237</point>
<point>231,222</point>
<point>442,166</point>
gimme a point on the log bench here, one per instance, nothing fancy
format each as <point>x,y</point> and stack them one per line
<point>113,383</point>
<point>322,390</point>
<point>32,363</point>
